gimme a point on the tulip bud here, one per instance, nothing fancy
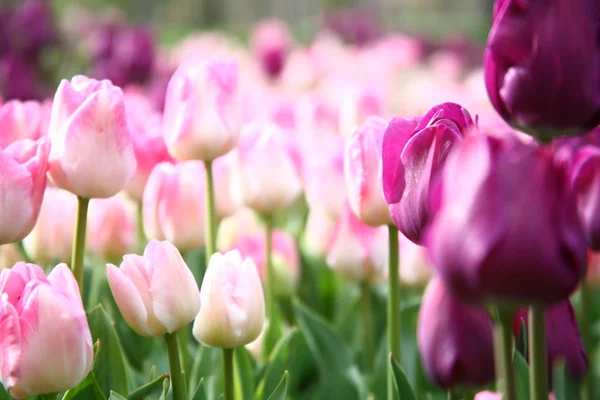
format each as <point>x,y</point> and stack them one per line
<point>51,239</point>
<point>46,343</point>
<point>156,292</point>
<point>226,203</point>
<point>487,395</point>
<point>173,206</point>
<point>357,251</point>
<point>505,209</point>
<point>317,232</point>
<point>267,178</point>
<point>357,105</point>
<point>413,153</point>
<point>20,120</point>
<point>455,340</point>
<point>540,66</point>
<point>233,306</point>
<point>363,173</point>
<point>231,229</point>
<point>22,184</point>
<point>202,114</point>
<point>271,42</point>
<point>92,153</point>
<point>585,179</point>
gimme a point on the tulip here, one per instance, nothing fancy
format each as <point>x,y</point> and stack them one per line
<point>357,105</point>
<point>585,179</point>
<point>505,209</point>
<point>487,395</point>
<point>112,227</point>
<point>20,120</point>
<point>202,115</point>
<point>593,269</point>
<point>51,239</point>
<point>32,28</point>
<point>18,78</point>
<point>46,343</point>
<point>243,222</point>
<point>540,66</point>
<point>416,269</point>
<point>414,151</point>
<point>266,177</point>
<point>173,209</point>
<point>363,173</point>
<point>317,232</point>
<point>233,307</point>
<point>455,340</point>
<point>23,181</point>
<point>156,292</point>
<point>271,43</point>
<point>357,251</point>
<point>92,153</point>
<point>226,203</point>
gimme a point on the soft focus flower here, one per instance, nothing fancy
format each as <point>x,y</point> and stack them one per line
<point>541,71</point>
<point>271,43</point>
<point>173,204</point>
<point>92,152</point>
<point>23,180</point>
<point>17,78</point>
<point>356,105</point>
<point>202,114</point>
<point>415,268</point>
<point>46,344</point>
<point>233,306</point>
<point>455,340</point>
<point>585,178</point>
<point>355,250</point>
<point>112,227</point>
<point>267,178</point>
<point>243,222</point>
<point>226,203</point>
<point>20,120</point>
<point>363,173</point>
<point>413,152</point>
<point>31,27</point>
<point>593,269</point>
<point>506,210</point>
<point>156,292</point>
<point>488,395</point>
<point>317,232</point>
<point>51,239</point>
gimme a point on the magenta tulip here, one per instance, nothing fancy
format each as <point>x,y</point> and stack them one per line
<point>585,178</point>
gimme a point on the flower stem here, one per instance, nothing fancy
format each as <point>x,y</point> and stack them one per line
<point>23,252</point>
<point>270,283</point>
<point>503,354</point>
<point>140,234</point>
<point>184,354</point>
<point>211,219</point>
<point>586,334</point>
<point>49,396</point>
<point>228,374</point>
<point>79,241</point>
<point>538,354</point>
<point>393,306</point>
<point>366,311</point>
<point>178,384</point>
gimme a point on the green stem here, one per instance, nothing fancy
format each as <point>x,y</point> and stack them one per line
<point>393,306</point>
<point>366,311</point>
<point>177,381</point>
<point>211,219</point>
<point>184,354</point>
<point>270,283</point>
<point>79,241</point>
<point>140,234</point>
<point>228,374</point>
<point>95,287</point>
<point>503,354</point>
<point>586,334</point>
<point>538,354</point>
<point>23,252</point>
<point>49,396</point>
<point>452,395</point>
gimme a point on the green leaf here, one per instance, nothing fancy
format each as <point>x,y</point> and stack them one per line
<point>273,332</point>
<point>521,376</point>
<point>244,374</point>
<point>152,390</point>
<point>200,394</point>
<point>522,339</point>
<point>280,391</point>
<point>403,389</point>
<point>116,396</point>
<point>565,387</point>
<point>88,389</point>
<point>109,365</point>
<point>3,394</point>
<point>208,365</point>
<point>276,365</point>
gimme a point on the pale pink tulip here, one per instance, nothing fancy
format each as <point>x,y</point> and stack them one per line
<point>20,120</point>
<point>202,110</point>
<point>356,105</point>
<point>243,222</point>
<point>415,270</point>
<point>24,164</point>
<point>317,232</point>
<point>173,204</point>
<point>92,152</point>
<point>233,306</point>
<point>226,203</point>
<point>51,239</point>
<point>45,341</point>
<point>488,395</point>
<point>156,292</point>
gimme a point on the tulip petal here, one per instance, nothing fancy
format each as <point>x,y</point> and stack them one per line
<point>10,343</point>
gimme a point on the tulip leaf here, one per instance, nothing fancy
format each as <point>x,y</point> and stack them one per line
<point>200,394</point>
<point>152,390</point>
<point>88,389</point>
<point>276,365</point>
<point>403,389</point>
<point>207,361</point>
<point>565,386</point>
<point>109,365</point>
<point>3,394</point>
<point>280,391</point>
<point>522,339</point>
<point>521,376</point>
<point>116,396</point>
<point>244,374</point>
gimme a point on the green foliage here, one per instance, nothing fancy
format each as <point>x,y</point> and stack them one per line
<point>281,389</point>
<point>403,389</point>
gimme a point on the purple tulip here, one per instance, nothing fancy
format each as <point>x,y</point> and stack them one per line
<point>31,27</point>
<point>17,79</point>
<point>585,178</point>
<point>506,227</point>
<point>414,150</point>
<point>541,67</point>
<point>455,340</point>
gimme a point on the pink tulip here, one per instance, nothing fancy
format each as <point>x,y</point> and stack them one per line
<point>22,183</point>
<point>267,175</point>
<point>233,306</point>
<point>51,239</point>
<point>271,43</point>
<point>112,227</point>
<point>357,105</point>
<point>20,120</point>
<point>226,203</point>
<point>487,395</point>
<point>357,251</point>
<point>45,341</point>
<point>202,114</point>
<point>243,222</point>
<point>363,173</point>
<point>156,292</point>
<point>173,204</point>
<point>317,232</point>
<point>92,152</point>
